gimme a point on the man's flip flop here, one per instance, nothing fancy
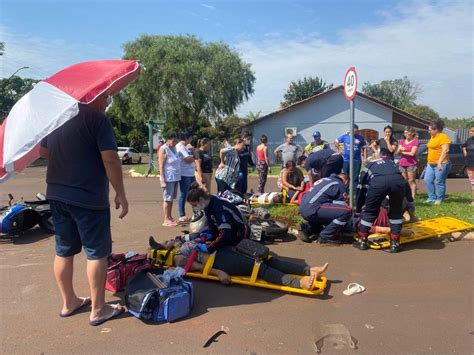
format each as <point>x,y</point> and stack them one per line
<point>85,302</point>
<point>170,224</point>
<point>353,288</point>
<point>117,311</point>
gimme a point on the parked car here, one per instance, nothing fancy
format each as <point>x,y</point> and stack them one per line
<point>456,157</point>
<point>129,155</point>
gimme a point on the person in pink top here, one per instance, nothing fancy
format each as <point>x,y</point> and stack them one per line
<point>407,148</point>
<point>263,166</point>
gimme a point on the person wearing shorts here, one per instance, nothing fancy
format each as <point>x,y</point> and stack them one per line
<point>468,151</point>
<point>169,160</point>
<point>407,148</point>
<point>83,158</point>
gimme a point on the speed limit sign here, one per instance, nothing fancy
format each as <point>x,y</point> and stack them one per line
<point>350,83</point>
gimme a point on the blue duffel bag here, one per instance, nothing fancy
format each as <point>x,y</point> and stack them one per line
<point>147,301</point>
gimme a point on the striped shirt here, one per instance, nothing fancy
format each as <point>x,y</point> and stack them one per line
<point>230,172</point>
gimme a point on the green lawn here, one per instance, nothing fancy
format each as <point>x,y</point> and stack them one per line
<point>276,169</point>
<point>142,169</point>
<point>456,205</point>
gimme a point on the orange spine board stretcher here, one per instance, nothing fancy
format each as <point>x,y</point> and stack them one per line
<point>253,280</point>
<point>429,228</point>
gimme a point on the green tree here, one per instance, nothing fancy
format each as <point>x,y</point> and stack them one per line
<point>455,123</point>
<point>11,90</point>
<point>423,111</point>
<point>401,93</point>
<point>129,130</point>
<point>252,116</point>
<point>302,89</point>
<point>2,48</point>
<point>186,82</point>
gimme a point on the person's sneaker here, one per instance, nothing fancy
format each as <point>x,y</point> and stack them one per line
<point>329,241</point>
<point>361,244</point>
<point>437,202</point>
<point>430,201</point>
<point>304,233</point>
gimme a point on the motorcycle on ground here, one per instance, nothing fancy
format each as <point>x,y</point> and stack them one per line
<point>20,216</point>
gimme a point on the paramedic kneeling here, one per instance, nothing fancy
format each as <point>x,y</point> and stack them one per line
<point>381,178</point>
<point>323,163</point>
<point>324,206</point>
<point>225,220</point>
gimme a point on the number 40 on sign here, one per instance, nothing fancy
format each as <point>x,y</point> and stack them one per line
<point>350,83</point>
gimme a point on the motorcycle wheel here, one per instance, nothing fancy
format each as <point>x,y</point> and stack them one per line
<point>46,223</point>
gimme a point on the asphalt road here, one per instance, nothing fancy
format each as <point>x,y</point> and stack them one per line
<point>419,301</point>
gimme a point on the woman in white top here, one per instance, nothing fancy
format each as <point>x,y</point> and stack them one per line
<point>169,161</point>
<point>188,170</point>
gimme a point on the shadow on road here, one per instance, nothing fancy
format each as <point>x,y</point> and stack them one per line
<point>275,240</point>
<point>428,244</point>
<point>28,237</point>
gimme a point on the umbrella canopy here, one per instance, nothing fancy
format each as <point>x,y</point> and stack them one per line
<point>54,101</point>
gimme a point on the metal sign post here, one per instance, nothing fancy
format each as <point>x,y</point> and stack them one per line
<point>151,160</point>
<point>351,157</point>
<point>350,91</point>
<point>151,163</point>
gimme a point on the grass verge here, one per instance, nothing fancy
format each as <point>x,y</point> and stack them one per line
<point>456,205</point>
<point>142,169</point>
<point>276,169</point>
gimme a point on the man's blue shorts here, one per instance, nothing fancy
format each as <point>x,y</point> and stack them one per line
<point>78,227</point>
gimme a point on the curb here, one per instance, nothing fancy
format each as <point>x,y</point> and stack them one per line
<point>466,235</point>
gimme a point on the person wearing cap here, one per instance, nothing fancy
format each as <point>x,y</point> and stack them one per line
<point>343,144</point>
<point>325,210</point>
<point>322,163</point>
<point>188,168</point>
<point>316,144</point>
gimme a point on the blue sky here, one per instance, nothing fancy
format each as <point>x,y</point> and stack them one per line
<point>429,41</point>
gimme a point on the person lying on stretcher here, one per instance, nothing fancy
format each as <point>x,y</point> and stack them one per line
<point>229,263</point>
<point>267,198</point>
<point>382,223</point>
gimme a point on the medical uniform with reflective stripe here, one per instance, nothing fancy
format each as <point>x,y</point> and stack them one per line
<point>379,179</point>
<point>325,162</point>
<point>324,205</point>
<point>226,221</point>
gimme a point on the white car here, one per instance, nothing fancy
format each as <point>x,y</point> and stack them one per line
<point>129,155</point>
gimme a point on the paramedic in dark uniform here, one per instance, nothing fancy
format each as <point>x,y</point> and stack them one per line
<point>323,163</point>
<point>381,178</point>
<point>324,207</point>
<point>245,156</point>
<point>226,222</point>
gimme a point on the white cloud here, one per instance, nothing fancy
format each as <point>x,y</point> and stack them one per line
<point>210,7</point>
<point>45,57</point>
<point>430,43</point>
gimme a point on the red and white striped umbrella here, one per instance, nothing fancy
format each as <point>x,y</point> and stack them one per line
<point>54,101</point>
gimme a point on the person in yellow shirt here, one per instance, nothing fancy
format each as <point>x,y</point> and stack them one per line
<point>438,164</point>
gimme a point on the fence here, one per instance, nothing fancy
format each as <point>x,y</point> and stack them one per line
<point>463,134</point>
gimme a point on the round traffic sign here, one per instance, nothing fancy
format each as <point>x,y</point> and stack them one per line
<point>350,83</point>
